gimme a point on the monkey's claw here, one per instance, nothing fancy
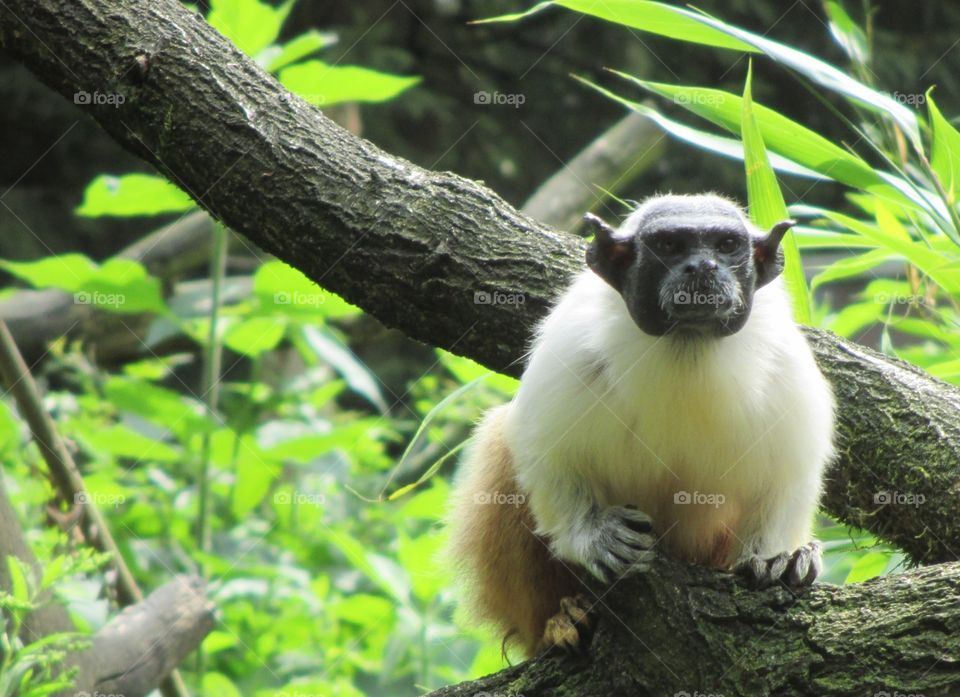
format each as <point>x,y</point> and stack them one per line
<point>623,543</point>
<point>570,629</point>
<point>796,570</point>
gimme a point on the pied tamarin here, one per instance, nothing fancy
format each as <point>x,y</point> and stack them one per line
<point>670,405</point>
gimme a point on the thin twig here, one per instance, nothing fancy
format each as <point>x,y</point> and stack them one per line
<point>67,479</point>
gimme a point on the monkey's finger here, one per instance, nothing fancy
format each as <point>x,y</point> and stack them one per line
<point>636,519</point>
<point>777,566</point>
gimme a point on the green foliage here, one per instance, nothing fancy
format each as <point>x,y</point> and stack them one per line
<point>35,669</point>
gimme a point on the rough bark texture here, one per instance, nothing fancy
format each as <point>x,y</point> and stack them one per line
<point>683,631</point>
<point>414,247</point>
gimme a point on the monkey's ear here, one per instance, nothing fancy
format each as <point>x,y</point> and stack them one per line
<point>767,255</point>
<point>607,256</point>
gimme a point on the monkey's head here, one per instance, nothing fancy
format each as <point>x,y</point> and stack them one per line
<point>687,264</point>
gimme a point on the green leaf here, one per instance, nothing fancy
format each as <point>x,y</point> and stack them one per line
<point>363,609</point>
<point>66,271</point>
<point>123,286</point>
<point>254,336</point>
<point>653,17</point>
<point>121,441</point>
<point>727,147</point>
<point>297,49</point>
<point>945,155</point>
<point>165,407</point>
<point>325,85</point>
<point>780,134</point>
<point>132,194</point>
<point>249,24</point>
<point>19,579</point>
<point>282,288</point>
<point>933,264</point>
<point>388,578</point>
<point>855,317</point>
<point>255,475</point>
<point>847,33</point>
<point>851,266</point>
<point>767,206</point>
<point>357,374</point>
<point>120,285</point>
<point>870,565</point>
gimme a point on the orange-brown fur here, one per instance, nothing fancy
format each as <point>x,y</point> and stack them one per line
<point>512,578</point>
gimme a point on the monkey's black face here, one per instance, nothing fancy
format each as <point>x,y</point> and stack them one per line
<point>693,279</point>
<point>687,265</point>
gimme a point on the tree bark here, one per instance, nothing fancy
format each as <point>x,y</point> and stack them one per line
<point>428,253</point>
<point>683,630</point>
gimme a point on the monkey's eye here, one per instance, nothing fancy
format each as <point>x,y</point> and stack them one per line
<point>666,245</point>
<point>728,245</point>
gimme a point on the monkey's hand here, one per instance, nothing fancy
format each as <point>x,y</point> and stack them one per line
<point>796,570</point>
<point>616,541</point>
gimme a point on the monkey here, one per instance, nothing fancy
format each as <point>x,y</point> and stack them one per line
<point>669,405</point>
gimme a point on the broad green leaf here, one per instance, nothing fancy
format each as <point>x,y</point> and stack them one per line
<point>466,370</point>
<point>132,194</point>
<point>124,286</point>
<point>654,17</point>
<point>363,609</point>
<point>325,85</point>
<point>855,317</point>
<point>65,271</point>
<point>121,441</point>
<point>870,565</point>
<point>253,336</point>
<point>120,285</point>
<point>251,25</point>
<point>255,475</point>
<point>945,155</point>
<point>282,288</point>
<point>847,33</point>
<point>814,238</point>
<point>727,147</point>
<point>276,57</point>
<point>767,206</point>
<point>934,265</point>
<point>780,134</point>
<point>19,579</point>
<point>851,266</point>
<point>946,370</point>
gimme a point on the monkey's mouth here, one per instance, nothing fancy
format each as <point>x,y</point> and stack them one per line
<point>699,302</point>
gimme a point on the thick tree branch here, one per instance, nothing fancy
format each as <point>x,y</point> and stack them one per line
<point>686,630</point>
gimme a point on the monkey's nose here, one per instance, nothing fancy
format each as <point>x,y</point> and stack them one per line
<point>700,266</point>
